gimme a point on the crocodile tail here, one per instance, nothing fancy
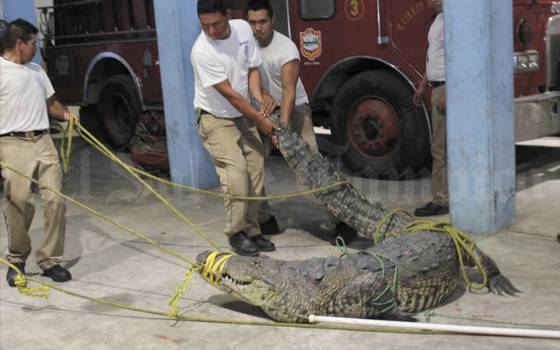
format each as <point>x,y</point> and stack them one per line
<point>343,202</point>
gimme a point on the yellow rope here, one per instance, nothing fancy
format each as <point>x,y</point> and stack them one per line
<point>89,137</point>
<point>218,321</point>
<point>179,291</point>
<point>103,150</point>
<point>98,214</point>
<point>246,198</point>
<point>377,235</point>
<point>463,243</point>
<point>21,283</point>
<point>212,270</point>
<point>66,146</point>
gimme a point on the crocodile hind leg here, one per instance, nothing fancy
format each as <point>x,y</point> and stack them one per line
<point>497,283</point>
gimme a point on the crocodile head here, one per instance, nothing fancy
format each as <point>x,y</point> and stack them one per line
<point>290,291</point>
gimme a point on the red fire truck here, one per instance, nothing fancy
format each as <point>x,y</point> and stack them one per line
<point>360,62</point>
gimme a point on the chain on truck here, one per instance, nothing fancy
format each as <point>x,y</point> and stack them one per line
<point>360,60</point>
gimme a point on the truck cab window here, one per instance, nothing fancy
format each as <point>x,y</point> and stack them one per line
<point>316,9</point>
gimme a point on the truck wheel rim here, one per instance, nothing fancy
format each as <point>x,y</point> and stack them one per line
<point>373,127</point>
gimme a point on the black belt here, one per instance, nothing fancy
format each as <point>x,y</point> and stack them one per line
<point>26,133</point>
<point>435,84</point>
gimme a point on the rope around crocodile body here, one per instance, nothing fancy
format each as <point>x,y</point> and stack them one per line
<point>464,245</point>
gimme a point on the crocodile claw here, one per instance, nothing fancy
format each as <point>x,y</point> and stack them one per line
<point>501,285</point>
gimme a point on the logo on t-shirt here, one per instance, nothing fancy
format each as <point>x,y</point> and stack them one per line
<point>245,45</point>
<point>39,82</point>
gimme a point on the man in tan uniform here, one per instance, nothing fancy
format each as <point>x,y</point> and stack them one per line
<point>280,72</point>
<point>435,77</point>
<point>26,99</point>
<point>225,61</point>
<point>280,76</point>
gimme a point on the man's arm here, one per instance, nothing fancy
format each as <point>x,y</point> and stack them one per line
<point>255,88</point>
<point>420,88</point>
<point>290,75</point>
<point>60,111</point>
<point>244,107</point>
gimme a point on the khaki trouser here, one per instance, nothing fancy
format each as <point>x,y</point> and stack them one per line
<point>28,155</point>
<point>301,124</point>
<point>439,150</point>
<point>237,151</point>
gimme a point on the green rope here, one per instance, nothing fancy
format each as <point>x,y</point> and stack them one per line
<point>464,244</point>
<point>341,245</point>
<point>392,302</point>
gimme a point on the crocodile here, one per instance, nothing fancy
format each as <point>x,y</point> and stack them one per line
<point>398,277</point>
<point>405,272</point>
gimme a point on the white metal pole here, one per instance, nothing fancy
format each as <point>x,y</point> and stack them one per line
<point>498,331</point>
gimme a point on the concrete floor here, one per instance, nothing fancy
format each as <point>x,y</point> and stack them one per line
<point>111,264</point>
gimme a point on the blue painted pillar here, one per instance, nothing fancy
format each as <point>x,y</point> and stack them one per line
<point>25,9</point>
<point>177,28</point>
<point>13,9</point>
<point>480,125</point>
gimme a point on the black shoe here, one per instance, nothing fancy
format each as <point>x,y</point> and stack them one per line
<point>343,230</point>
<point>11,275</point>
<point>242,245</point>
<point>263,244</point>
<point>431,209</point>
<point>270,227</point>
<point>58,274</point>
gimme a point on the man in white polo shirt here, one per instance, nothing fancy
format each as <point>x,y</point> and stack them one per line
<point>26,99</point>
<point>435,77</point>
<point>225,61</point>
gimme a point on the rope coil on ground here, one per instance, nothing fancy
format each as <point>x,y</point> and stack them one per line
<point>21,283</point>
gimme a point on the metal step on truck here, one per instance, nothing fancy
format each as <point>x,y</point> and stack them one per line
<point>360,61</point>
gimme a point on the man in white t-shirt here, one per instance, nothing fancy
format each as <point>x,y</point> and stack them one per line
<point>225,60</point>
<point>280,71</point>
<point>435,77</point>
<point>280,74</point>
<point>27,98</point>
<point>280,77</point>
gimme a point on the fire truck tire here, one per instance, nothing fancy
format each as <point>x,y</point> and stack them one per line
<point>120,108</point>
<point>89,118</point>
<point>388,136</point>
